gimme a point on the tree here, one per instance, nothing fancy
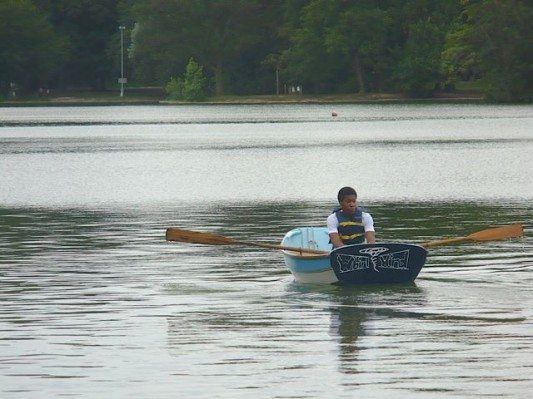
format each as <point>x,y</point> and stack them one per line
<point>417,41</point>
<point>360,34</point>
<point>338,44</point>
<point>189,88</point>
<point>89,27</point>
<point>214,32</point>
<point>419,71</point>
<point>29,48</point>
<point>496,37</point>
<point>194,82</point>
<point>307,58</point>
<point>459,58</point>
<point>174,88</point>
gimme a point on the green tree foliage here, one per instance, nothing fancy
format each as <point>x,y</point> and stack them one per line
<point>360,35</point>
<point>189,88</point>
<point>419,40</point>
<point>419,71</point>
<point>358,46</point>
<point>459,58</point>
<point>495,39</point>
<point>194,82</point>
<point>30,50</point>
<point>412,46</point>
<point>89,27</point>
<point>215,32</point>
<point>174,88</point>
<point>308,61</point>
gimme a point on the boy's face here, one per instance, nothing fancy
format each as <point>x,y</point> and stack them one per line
<point>349,203</point>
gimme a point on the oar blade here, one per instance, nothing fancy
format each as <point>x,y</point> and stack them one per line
<point>494,234</point>
<point>196,237</point>
<point>498,233</point>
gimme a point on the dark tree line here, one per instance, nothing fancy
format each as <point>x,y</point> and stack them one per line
<point>261,46</point>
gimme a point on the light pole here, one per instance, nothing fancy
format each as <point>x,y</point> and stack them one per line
<point>122,80</point>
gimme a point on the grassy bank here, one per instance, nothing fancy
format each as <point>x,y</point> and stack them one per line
<point>340,98</point>
<point>85,98</point>
<point>155,96</point>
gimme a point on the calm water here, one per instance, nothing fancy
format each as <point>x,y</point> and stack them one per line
<point>94,302</point>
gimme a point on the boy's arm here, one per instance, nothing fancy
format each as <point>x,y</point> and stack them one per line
<point>336,240</point>
<point>334,236</point>
<point>370,234</point>
<point>370,237</point>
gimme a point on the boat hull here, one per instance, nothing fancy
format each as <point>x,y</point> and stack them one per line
<point>381,263</point>
<point>309,268</point>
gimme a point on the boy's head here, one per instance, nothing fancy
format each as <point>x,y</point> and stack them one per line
<point>347,199</point>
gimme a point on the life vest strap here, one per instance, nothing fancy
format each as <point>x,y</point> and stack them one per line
<point>350,237</point>
<point>350,224</point>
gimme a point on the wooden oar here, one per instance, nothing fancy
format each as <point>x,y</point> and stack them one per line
<point>495,234</point>
<point>198,237</point>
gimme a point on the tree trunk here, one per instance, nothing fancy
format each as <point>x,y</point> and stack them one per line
<point>359,74</point>
<point>219,81</point>
<point>98,83</point>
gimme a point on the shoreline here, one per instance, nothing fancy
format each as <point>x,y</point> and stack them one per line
<point>111,99</point>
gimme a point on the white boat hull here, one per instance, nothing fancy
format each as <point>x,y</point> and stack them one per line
<point>309,268</point>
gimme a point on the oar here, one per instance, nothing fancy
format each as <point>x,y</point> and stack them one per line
<point>198,237</point>
<point>495,234</point>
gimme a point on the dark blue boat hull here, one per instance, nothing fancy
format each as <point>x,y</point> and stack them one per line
<point>377,263</point>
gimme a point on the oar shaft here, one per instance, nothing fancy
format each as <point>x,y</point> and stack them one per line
<point>281,247</point>
<point>198,237</point>
<point>446,241</point>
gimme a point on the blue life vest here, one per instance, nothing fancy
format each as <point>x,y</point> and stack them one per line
<point>351,229</point>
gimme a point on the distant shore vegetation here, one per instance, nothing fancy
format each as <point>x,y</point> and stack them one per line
<point>196,50</point>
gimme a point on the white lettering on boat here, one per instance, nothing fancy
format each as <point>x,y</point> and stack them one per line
<point>393,260</point>
<point>349,263</point>
<point>374,251</point>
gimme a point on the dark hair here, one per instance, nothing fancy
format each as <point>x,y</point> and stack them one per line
<point>344,192</point>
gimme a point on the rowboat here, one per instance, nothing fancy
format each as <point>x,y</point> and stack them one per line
<point>310,257</point>
<point>380,263</point>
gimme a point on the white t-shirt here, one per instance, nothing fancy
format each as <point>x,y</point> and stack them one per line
<point>333,223</point>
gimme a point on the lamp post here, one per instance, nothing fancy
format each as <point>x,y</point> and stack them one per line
<point>122,80</point>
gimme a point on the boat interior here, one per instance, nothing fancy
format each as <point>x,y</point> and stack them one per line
<point>307,238</point>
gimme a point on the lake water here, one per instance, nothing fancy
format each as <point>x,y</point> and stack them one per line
<point>95,303</point>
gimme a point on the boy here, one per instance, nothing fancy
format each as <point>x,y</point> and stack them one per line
<point>349,224</point>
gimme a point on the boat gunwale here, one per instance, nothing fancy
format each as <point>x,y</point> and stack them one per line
<point>304,255</point>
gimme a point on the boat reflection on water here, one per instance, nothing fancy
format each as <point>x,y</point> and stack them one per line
<point>356,315</point>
